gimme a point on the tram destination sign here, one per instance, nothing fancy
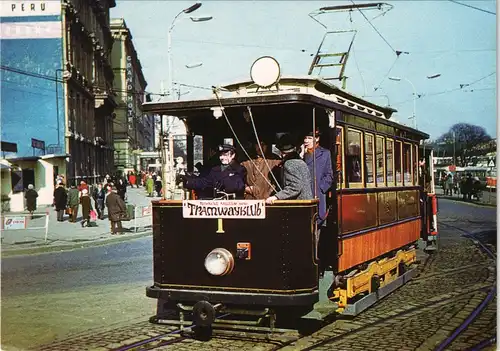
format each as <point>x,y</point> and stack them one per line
<point>230,209</point>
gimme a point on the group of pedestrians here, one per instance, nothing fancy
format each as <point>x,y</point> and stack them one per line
<point>109,195</point>
<point>467,186</point>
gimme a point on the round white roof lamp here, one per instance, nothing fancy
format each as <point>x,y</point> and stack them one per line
<point>265,71</point>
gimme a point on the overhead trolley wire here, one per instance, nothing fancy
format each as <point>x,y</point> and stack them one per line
<point>452,90</point>
<point>54,79</point>
<point>374,28</point>
<point>472,7</point>
<point>397,52</point>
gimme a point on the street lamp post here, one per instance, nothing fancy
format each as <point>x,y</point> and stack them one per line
<point>168,174</point>
<point>414,117</point>
<point>397,79</point>
<point>190,9</point>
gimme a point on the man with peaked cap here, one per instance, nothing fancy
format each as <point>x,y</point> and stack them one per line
<point>319,162</point>
<point>228,177</point>
<point>296,176</point>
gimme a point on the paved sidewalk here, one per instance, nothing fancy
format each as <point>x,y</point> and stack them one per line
<point>62,235</point>
<point>489,198</point>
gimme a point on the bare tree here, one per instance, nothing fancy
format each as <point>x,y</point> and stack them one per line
<point>462,140</point>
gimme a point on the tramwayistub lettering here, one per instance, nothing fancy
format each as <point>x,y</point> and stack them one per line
<point>249,209</point>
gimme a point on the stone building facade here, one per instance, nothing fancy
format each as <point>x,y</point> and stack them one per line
<point>57,99</point>
<point>89,90</point>
<point>132,131</point>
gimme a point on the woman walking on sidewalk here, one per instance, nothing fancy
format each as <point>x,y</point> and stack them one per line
<point>31,196</point>
<point>86,207</point>
<point>60,200</point>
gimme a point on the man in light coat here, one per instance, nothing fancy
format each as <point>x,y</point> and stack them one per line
<point>296,175</point>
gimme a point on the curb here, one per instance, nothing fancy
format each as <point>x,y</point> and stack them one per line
<point>41,249</point>
<point>478,204</point>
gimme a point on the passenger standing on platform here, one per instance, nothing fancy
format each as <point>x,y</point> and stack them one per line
<point>258,183</point>
<point>86,207</point>
<point>229,176</point>
<point>424,176</point>
<point>73,203</point>
<point>319,162</point>
<point>324,173</point>
<point>60,201</point>
<point>296,175</point>
<point>31,196</point>
<point>116,210</point>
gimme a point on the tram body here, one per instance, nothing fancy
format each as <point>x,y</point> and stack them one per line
<point>375,208</point>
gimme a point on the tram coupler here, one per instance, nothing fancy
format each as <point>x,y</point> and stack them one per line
<point>204,313</point>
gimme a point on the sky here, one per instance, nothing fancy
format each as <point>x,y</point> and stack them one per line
<point>437,37</point>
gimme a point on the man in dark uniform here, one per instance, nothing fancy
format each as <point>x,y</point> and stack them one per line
<point>228,177</point>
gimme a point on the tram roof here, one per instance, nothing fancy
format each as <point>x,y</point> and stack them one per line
<point>298,89</point>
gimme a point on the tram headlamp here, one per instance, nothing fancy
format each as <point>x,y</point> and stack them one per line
<point>219,262</point>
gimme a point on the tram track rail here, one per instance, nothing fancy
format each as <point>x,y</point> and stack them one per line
<point>479,287</point>
<point>491,294</point>
<point>488,288</point>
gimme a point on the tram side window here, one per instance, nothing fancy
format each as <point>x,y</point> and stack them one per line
<point>407,164</point>
<point>340,153</point>
<point>369,176</point>
<point>380,161</point>
<point>353,161</point>
<point>390,162</point>
<point>415,165</point>
<point>397,163</point>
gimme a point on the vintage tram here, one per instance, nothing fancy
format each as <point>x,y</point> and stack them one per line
<point>266,262</point>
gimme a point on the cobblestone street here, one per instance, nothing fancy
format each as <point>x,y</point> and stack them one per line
<point>421,315</point>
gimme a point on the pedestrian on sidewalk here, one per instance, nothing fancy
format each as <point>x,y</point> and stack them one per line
<point>158,186</point>
<point>99,198</point>
<point>121,187</point>
<point>73,203</point>
<point>31,196</point>
<point>150,185</point>
<point>131,179</point>
<point>60,201</point>
<point>86,207</point>
<point>116,211</point>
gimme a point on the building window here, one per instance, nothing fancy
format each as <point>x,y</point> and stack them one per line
<point>353,159</point>
<point>369,158</point>
<point>380,160</point>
